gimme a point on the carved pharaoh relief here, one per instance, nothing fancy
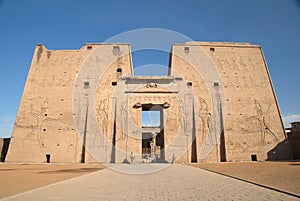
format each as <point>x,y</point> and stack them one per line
<point>151,85</point>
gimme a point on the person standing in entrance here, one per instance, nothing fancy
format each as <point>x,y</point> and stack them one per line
<point>131,157</point>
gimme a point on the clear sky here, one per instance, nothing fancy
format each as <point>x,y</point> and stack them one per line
<point>68,24</point>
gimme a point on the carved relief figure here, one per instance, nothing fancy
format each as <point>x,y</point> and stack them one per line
<point>263,125</point>
<point>183,117</point>
<point>103,115</point>
<point>205,118</point>
<point>123,119</point>
<point>41,117</point>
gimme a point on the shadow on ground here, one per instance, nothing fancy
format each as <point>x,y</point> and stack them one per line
<point>71,170</point>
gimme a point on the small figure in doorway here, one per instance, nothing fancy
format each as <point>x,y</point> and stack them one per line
<point>154,160</point>
<point>131,157</point>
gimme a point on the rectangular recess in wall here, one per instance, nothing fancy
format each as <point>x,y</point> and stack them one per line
<point>253,157</point>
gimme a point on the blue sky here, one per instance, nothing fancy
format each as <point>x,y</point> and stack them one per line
<point>68,24</point>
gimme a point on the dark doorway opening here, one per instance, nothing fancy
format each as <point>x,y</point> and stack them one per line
<point>253,157</point>
<point>146,145</point>
<point>48,158</point>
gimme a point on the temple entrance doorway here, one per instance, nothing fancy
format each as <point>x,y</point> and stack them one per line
<point>152,133</point>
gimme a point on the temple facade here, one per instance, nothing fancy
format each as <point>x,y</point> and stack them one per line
<point>216,104</point>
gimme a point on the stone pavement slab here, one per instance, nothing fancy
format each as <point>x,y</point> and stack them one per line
<point>169,182</point>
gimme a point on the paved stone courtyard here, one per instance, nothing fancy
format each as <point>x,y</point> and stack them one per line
<point>170,182</point>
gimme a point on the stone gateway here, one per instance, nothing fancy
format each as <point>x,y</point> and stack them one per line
<point>216,104</point>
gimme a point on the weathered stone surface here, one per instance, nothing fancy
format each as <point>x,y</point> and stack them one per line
<point>216,104</point>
